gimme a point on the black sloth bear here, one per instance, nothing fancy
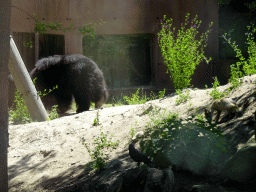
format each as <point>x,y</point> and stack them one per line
<point>76,76</point>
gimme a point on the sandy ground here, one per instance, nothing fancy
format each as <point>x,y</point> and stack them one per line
<point>44,156</point>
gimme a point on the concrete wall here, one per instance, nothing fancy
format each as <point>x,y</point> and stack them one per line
<point>120,17</point>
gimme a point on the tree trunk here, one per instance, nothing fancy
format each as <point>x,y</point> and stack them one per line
<point>5,15</point>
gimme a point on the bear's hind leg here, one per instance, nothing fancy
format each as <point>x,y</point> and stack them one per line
<point>82,102</point>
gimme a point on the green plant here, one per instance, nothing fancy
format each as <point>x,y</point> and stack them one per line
<point>152,96</point>
<point>243,67</point>
<point>200,117</point>
<point>99,158</point>
<point>235,75</point>
<point>181,50</point>
<point>53,114</point>
<point>96,121</point>
<point>183,97</point>
<point>134,99</point>
<point>161,94</point>
<point>45,91</point>
<point>215,93</point>
<point>28,44</point>
<point>41,27</point>
<point>21,114</point>
<point>133,130</point>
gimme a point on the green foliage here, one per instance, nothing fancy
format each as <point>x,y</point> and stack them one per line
<point>161,94</point>
<point>215,93</point>
<point>133,130</point>
<point>200,117</point>
<point>181,51</point>
<point>53,114</point>
<point>99,158</point>
<point>183,97</point>
<point>136,99</point>
<point>153,96</point>
<point>41,27</point>
<point>243,67</point>
<point>96,121</point>
<point>21,114</point>
<point>28,44</point>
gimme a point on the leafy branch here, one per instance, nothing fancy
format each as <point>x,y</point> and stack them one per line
<point>41,27</point>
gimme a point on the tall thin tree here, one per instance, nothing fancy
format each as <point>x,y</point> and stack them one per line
<point>5,16</point>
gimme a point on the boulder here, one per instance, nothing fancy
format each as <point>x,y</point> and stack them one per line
<point>139,179</point>
<point>241,166</point>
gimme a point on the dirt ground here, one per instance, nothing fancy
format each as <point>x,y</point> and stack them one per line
<point>44,156</point>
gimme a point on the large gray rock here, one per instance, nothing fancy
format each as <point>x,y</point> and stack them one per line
<point>147,180</point>
<point>198,151</point>
<point>117,178</point>
<point>241,167</point>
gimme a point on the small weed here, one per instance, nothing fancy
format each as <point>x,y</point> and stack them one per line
<point>53,114</point>
<point>99,158</point>
<point>133,130</point>
<point>161,94</point>
<point>190,105</point>
<point>96,121</point>
<point>21,114</point>
<point>183,97</point>
<point>152,96</point>
<point>200,117</point>
<point>134,99</point>
<point>215,93</point>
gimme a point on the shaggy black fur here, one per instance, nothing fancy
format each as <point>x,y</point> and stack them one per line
<point>76,76</point>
